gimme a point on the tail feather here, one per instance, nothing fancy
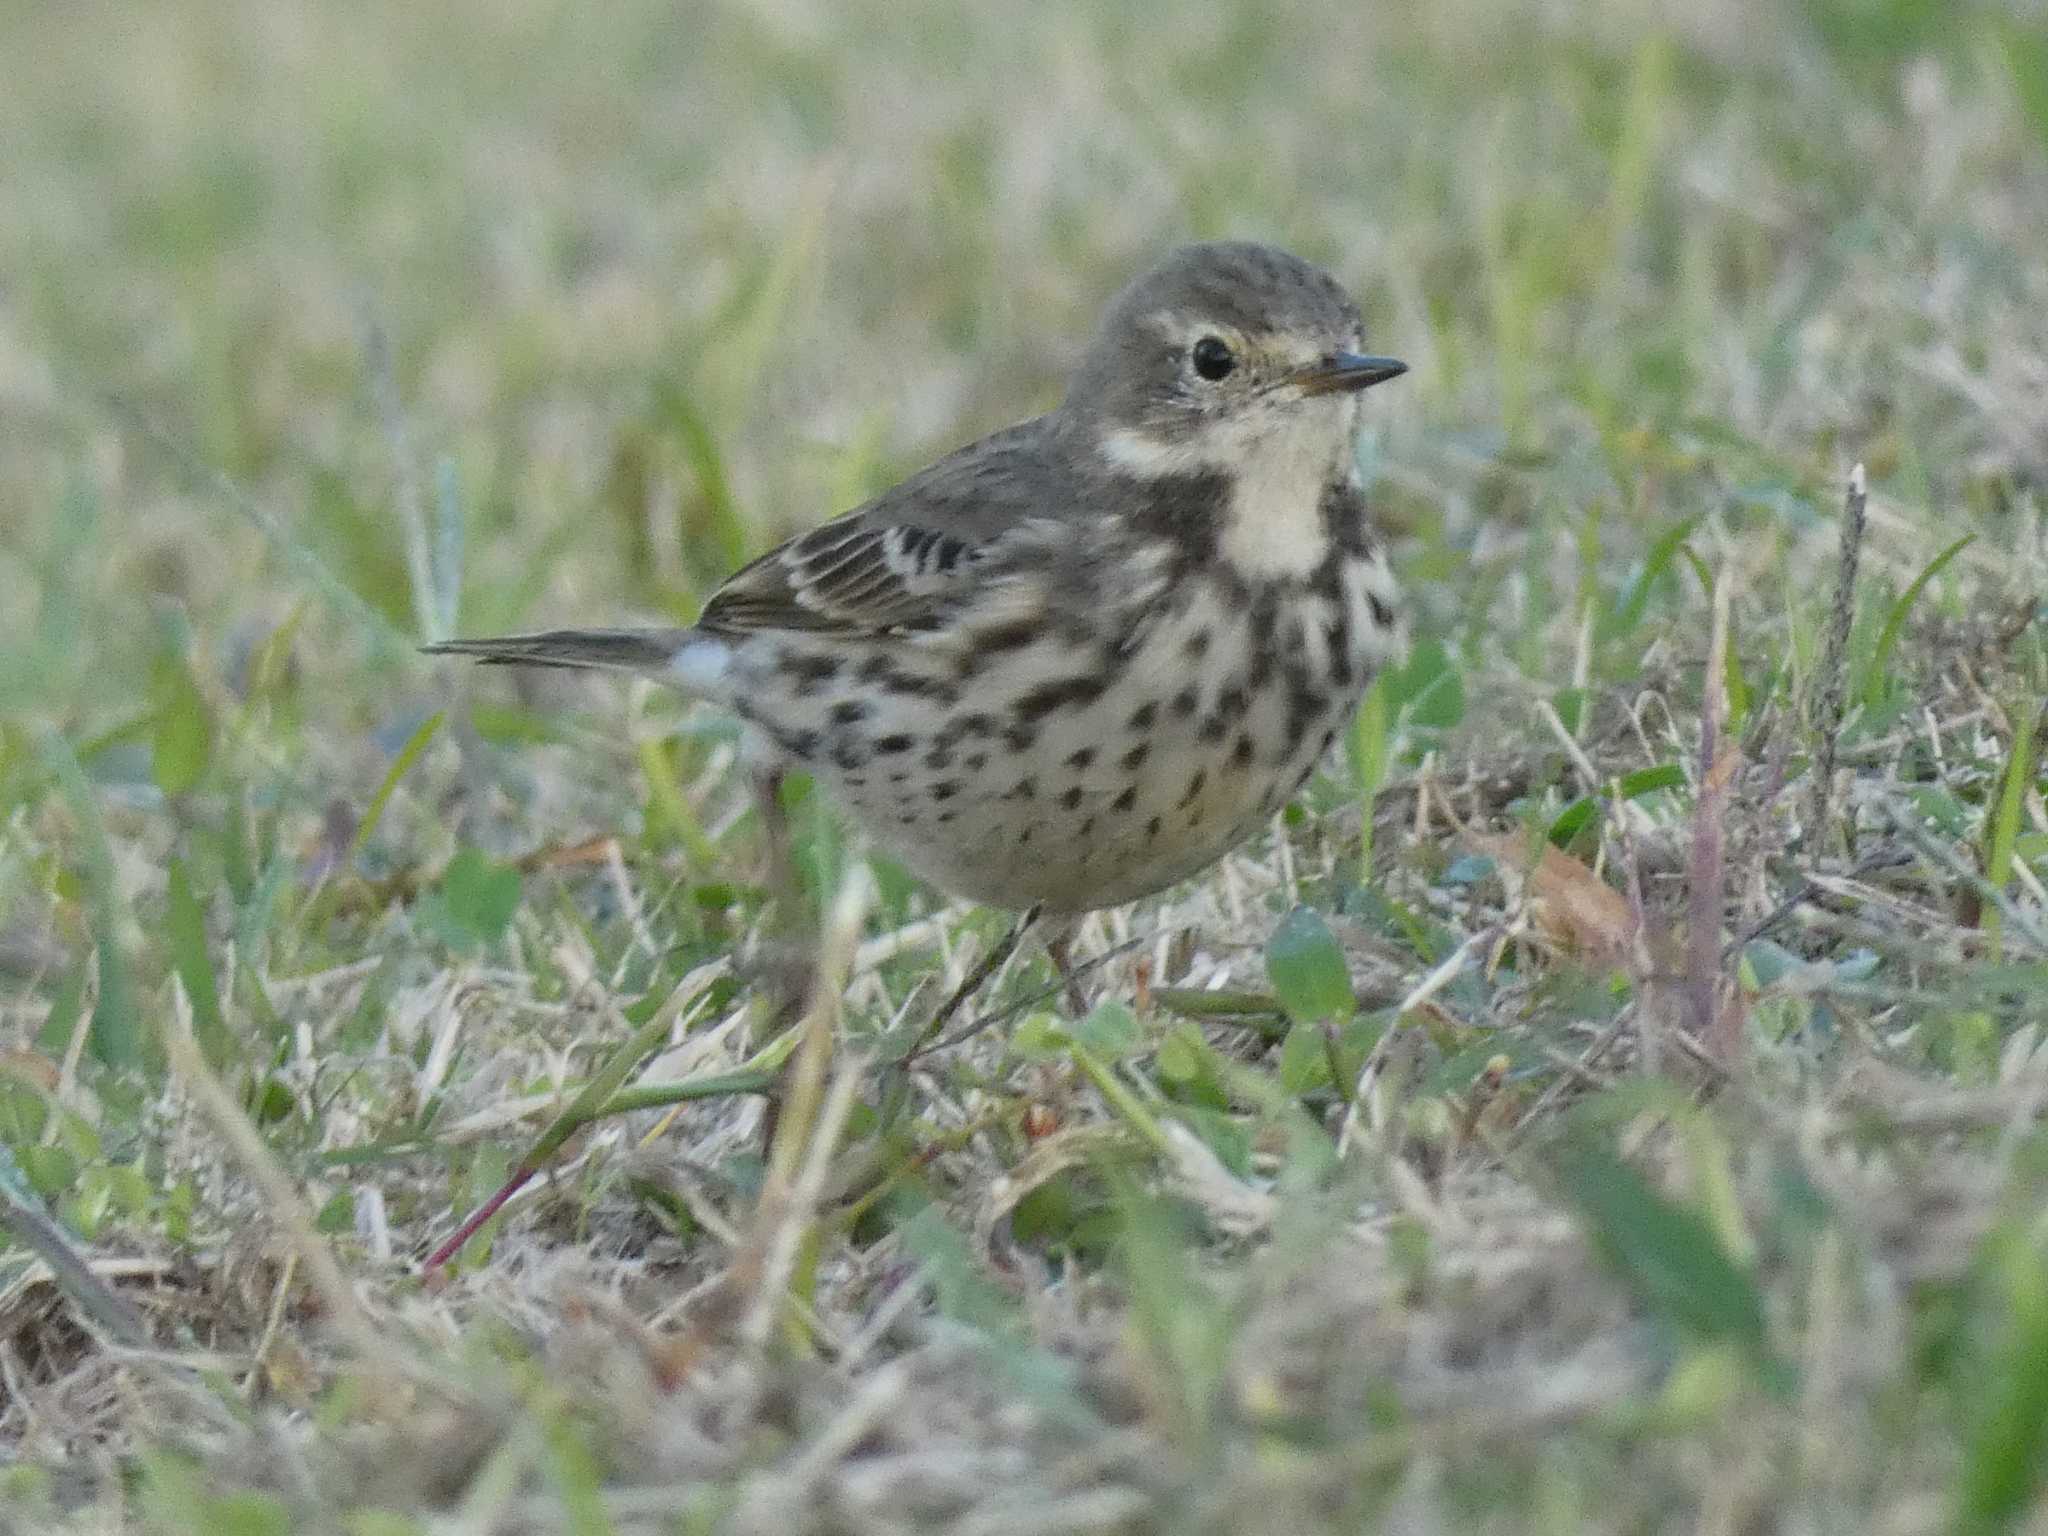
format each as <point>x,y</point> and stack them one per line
<point>612,650</point>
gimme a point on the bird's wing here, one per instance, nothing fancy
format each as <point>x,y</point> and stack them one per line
<point>905,563</point>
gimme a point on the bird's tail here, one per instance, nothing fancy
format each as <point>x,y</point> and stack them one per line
<point>650,652</point>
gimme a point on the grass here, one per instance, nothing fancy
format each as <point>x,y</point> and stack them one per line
<point>1576,1115</point>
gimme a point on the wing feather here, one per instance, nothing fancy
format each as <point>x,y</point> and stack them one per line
<point>910,560</point>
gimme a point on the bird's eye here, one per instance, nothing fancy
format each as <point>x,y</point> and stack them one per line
<point>1212,358</point>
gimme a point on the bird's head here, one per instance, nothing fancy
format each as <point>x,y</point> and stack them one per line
<point>1230,357</point>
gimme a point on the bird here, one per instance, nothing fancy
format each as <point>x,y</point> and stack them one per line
<point>1079,660</point>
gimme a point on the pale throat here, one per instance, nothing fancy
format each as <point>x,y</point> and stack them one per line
<point>1279,462</point>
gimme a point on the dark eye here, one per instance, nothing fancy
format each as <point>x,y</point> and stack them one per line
<point>1212,358</point>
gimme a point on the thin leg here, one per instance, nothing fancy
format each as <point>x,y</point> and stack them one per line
<point>978,977</point>
<point>787,937</point>
<point>1076,997</point>
<point>781,875</point>
<point>785,943</point>
<point>1059,949</point>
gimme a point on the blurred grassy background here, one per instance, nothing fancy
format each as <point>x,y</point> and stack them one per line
<point>328,328</point>
<point>653,289</point>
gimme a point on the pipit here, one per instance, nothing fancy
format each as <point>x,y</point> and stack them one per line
<point>1077,661</point>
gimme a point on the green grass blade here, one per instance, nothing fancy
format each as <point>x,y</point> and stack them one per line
<point>116,1026</point>
<point>2004,1464</point>
<point>1895,619</point>
<point>1628,613</point>
<point>718,513</point>
<point>2004,829</point>
<point>185,928</point>
<point>400,766</point>
<point>1668,1254</point>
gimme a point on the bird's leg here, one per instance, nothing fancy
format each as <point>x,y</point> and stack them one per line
<point>766,786</point>
<point>1059,948</point>
<point>978,976</point>
<point>788,942</point>
<point>786,945</point>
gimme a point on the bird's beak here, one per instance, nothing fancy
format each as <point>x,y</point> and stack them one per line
<point>1346,372</point>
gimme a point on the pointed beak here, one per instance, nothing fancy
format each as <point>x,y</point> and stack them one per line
<point>1346,372</point>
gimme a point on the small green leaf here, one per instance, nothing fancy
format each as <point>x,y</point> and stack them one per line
<point>1047,1215</point>
<point>1582,812</point>
<point>128,1188</point>
<point>1039,1036</point>
<point>1189,1070</point>
<point>338,1214</point>
<point>1180,1059</point>
<point>89,1204</point>
<point>1304,1059</point>
<point>1644,780</point>
<point>1307,970</point>
<point>1430,687</point>
<point>274,1102</point>
<point>50,1170</point>
<point>1110,1030</point>
<point>23,1114</point>
<point>178,1206</point>
<point>77,1136</point>
<point>1573,820</point>
<point>481,895</point>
